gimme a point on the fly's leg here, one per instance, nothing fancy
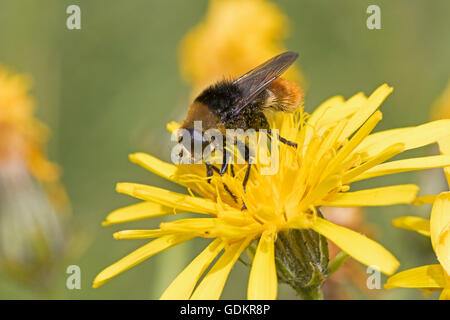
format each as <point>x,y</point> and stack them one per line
<point>244,183</point>
<point>247,175</point>
<point>230,193</point>
<point>210,171</point>
<point>226,159</point>
<point>247,158</point>
<point>285,141</point>
<point>247,172</point>
<point>223,169</point>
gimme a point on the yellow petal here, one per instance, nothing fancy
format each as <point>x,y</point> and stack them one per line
<point>316,194</point>
<point>356,139</point>
<point>439,228</point>
<point>328,107</point>
<point>445,294</point>
<point>444,146</point>
<point>372,104</point>
<point>443,249</point>
<point>428,199</point>
<point>359,173</point>
<point>152,164</point>
<point>142,210</point>
<point>412,137</point>
<point>263,284</point>
<point>404,166</point>
<point>417,224</point>
<point>358,246</point>
<point>212,284</point>
<point>383,196</point>
<point>139,234</point>
<point>178,201</point>
<point>138,256</point>
<point>198,226</point>
<point>213,227</point>
<point>338,112</point>
<point>431,276</point>
<point>181,288</point>
<point>333,103</point>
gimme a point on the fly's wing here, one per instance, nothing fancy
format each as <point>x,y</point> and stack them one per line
<point>256,80</point>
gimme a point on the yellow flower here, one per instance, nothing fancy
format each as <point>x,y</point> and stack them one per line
<point>32,201</point>
<point>23,137</point>
<point>335,148</point>
<point>234,36</point>
<point>436,276</point>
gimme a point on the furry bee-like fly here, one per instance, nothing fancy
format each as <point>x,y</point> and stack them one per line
<point>242,103</point>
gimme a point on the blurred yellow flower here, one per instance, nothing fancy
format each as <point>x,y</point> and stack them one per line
<point>23,136</point>
<point>31,231</point>
<point>436,276</point>
<point>335,148</point>
<point>441,107</point>
<point>235,36</point>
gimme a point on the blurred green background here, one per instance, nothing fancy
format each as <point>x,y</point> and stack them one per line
<point>108,90</point>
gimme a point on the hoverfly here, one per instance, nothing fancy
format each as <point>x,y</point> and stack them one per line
<point>242,103</point>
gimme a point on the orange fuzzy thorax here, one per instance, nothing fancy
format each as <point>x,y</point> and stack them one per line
<point>285,95</point>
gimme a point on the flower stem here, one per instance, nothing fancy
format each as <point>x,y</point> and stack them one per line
<point>310,293</point>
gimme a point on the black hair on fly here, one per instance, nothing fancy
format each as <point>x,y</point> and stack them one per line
<point>220,97</point>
